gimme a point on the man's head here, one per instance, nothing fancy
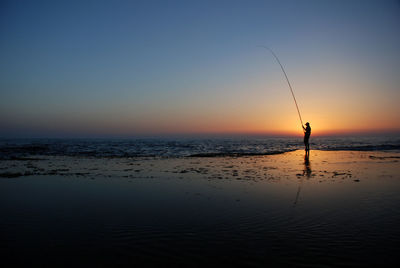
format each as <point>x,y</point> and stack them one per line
<point>307,124</point>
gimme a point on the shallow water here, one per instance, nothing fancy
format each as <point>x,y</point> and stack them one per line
<point>195,219</point>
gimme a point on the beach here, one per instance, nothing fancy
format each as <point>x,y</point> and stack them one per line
<point>173,134</point>
<point>334,208</point>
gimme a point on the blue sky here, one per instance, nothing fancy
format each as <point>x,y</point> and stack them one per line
<point>127,68</point>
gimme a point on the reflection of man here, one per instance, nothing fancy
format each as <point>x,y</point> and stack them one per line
<point>307,133</point>
<point>307,167</point>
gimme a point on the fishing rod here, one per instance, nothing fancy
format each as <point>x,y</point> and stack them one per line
<point>298,192</point>
<point>287,80</point>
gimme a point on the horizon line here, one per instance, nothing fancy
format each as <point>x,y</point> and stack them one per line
<point>338,133</point>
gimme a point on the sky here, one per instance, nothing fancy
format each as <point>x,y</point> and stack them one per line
<point>159,68</point>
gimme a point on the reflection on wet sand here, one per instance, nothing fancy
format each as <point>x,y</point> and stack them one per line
<point>307,166</point>
<point>306,172</point>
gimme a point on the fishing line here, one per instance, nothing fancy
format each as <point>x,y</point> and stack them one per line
<point>287,80</point>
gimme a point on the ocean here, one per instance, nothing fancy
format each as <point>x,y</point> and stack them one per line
<point>183,147</point>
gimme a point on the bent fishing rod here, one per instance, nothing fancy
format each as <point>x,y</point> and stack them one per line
<point>287,80</point>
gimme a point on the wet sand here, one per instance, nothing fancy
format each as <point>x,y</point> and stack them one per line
<point>323,165</point>
<point>336,208</point>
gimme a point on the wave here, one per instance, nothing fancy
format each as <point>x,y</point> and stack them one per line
<point>381,147</point>
<point>239,154</point>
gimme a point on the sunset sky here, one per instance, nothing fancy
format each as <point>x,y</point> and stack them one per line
<point>145,68</point>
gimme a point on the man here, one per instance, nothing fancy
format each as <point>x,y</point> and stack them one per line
<point>307,133</point>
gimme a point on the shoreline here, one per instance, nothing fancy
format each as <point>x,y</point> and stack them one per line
<point>256,167</point>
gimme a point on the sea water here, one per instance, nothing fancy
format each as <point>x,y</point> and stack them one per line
<point>180,147</point>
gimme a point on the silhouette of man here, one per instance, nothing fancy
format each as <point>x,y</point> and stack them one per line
<point>307,133</point>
